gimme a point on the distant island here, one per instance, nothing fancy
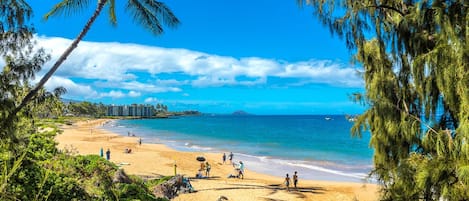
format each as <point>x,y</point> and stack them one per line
<point>240,113</point>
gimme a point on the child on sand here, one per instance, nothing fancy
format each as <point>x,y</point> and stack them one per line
<point>224,158</point>
<point>287,182</point>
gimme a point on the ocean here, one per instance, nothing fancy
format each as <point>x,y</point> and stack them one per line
<point>318,147</point>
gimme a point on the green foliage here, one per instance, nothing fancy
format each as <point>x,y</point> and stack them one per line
<point>86,108</point>
<point>31,167</point>
<point>154,182</point>
<point>415,57</point>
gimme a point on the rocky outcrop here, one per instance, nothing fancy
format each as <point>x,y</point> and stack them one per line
<point>173,187</point>
<point>121,177</point>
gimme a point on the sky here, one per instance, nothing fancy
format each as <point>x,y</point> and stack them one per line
<point>260,56</point>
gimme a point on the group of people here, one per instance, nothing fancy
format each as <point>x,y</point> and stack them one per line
<point>295,180</point>
<point>230,157</point>
<point>204,167</point>
<point>108,153</point>
<point>239,168</point>
<point>127,150</point>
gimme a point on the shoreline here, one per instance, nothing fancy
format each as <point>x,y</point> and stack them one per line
<point>153,160</point>
<point>267,164</point>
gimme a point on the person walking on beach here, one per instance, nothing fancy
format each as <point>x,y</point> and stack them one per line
<point>139,141</point>
<point>230,157</point>
<point>241,169</point>
<point>287,182</point>
<point>224,158</point>
<point>207,169</point>
<point>101,152</point>
<point>295,179</point>
<point>108,154</point>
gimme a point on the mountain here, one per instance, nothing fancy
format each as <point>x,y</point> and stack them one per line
<point>240,113</point>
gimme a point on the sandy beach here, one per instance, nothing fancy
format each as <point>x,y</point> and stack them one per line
<point>152,160</point>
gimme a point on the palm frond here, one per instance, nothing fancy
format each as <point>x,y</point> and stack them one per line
<point>59,91</point>
<point>163,13</point>
<point>67,8</point>
<point>150,14</point>
<point>112,12</point>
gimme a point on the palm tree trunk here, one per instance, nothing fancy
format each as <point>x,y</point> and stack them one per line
<point>61,59</point>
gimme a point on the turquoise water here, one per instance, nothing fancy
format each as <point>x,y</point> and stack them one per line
<point>315,147</point>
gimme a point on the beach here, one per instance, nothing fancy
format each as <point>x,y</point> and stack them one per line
<point>154,160</point>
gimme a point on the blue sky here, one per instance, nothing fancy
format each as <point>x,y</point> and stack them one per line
<point>257,56</point>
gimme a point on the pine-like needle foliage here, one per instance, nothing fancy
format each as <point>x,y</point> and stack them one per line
<point>415,55</point>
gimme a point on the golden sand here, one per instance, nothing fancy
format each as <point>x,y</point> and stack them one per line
<point>153,160</point>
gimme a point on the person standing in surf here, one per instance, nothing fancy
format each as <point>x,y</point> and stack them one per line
<point>230,157</point>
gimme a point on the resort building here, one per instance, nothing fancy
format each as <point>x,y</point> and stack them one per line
<point>134,110</point>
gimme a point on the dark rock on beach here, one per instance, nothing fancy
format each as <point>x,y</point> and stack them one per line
<point>172,188</point>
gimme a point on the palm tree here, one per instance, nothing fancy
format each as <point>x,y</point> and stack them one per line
<point>150,14</point>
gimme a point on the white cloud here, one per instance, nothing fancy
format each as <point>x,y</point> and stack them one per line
<point>151,100</point>
<point>113,94</point>
<point>120,94</point>
<point>115,62</point>
<point>138,86</point>
<point>134,94</point>
<point>74,90</point>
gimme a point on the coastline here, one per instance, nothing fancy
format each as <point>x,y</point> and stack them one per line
<point>153,160</point>
<point>319,161</point>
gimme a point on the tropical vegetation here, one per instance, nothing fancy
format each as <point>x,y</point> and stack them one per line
<point>415,58</point>
<point>31,166</point>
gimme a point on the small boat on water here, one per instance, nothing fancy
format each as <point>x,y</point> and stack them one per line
<point>327,118</point>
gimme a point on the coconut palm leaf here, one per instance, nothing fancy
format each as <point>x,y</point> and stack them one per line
<point>67,8</point>
<point>147,13</point>
<point>151,15</point>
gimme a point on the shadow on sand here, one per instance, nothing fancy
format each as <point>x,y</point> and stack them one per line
<point>299,192</point>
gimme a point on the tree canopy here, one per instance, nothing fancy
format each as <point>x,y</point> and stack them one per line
<point>31,166</point>
<point>151,14</point>
<point>415,58</point>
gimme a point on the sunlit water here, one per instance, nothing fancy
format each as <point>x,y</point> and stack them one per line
<point>317,148</point>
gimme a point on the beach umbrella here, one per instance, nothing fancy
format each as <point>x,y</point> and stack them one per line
<point>200,158</point>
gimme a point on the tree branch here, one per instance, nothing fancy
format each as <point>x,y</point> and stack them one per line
<point>390,8</point>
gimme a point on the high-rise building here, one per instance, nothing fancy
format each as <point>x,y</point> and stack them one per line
<point>135,110</point>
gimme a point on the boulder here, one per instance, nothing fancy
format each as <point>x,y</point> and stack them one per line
<point>172,188</point>
<point>121,177</point>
